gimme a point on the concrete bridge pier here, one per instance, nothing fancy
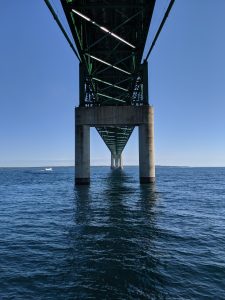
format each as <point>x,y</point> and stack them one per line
<point>146,150</point>
<point>82,154</point>
<point>116,161</point>
<point>113,165</point>
<point>142,116</point>
<point>119,161</point>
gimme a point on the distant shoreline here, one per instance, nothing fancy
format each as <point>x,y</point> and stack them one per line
<point>102,166</point>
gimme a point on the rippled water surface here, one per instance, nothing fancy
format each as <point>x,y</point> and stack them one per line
<point>115,239</point>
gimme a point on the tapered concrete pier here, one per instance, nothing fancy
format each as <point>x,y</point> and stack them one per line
<point>142,116</point>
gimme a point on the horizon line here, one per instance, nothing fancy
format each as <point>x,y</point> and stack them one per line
<point>127,165</point>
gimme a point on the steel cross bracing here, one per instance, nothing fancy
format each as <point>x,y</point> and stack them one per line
<point>110,37</point>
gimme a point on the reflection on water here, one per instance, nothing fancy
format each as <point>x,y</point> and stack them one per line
<point>113,250</point>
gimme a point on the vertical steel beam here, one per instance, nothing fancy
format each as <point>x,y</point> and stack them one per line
<point>145,82</point>
<point>82,84</point>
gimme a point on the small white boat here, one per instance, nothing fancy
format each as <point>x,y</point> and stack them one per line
<point>48,169</point>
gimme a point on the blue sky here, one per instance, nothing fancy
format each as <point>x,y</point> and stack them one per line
<point>39,88</point>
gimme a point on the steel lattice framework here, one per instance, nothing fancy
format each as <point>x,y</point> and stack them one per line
<point>110,37</point>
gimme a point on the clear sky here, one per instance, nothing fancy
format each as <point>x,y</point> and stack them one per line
<point>39,88</point>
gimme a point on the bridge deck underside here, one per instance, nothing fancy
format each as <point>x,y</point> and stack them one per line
<point>110,37</point>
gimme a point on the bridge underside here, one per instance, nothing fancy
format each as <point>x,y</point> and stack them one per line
<point>110,37</point>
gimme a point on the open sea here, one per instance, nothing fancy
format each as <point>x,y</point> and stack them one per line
<point>114,239</point>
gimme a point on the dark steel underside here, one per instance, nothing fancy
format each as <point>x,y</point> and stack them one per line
<point>111,72</point>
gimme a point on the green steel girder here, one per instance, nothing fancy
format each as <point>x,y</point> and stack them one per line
<point>127,19</point>
<point>110,37</point>
<point>115,137</point>
<point>101,5</point>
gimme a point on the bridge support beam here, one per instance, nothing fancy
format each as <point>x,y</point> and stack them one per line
<point>116,161</point>
<point>82,154</point>
<point>119,161</point>
<point>112,161</point>
<point>146,150</point>
<point>142,116</point>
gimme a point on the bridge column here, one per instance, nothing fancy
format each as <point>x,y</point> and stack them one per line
<point>112,161</point>
<point>121,161</point>
<point>118,161</point>
<point>141,116</point>
<point>146,149</point>
<point>82,154</point>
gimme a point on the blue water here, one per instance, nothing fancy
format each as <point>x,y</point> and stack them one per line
<point>115,239</point>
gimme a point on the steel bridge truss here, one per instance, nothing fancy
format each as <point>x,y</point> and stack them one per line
<point>110,37</point>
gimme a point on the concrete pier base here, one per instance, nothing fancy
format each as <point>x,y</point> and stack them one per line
<point>142,116</point>
<point>116,161</point>
<point>146,150</point>
<point>82,154</point>
<point>119,161</point>
<point>112,162</point>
